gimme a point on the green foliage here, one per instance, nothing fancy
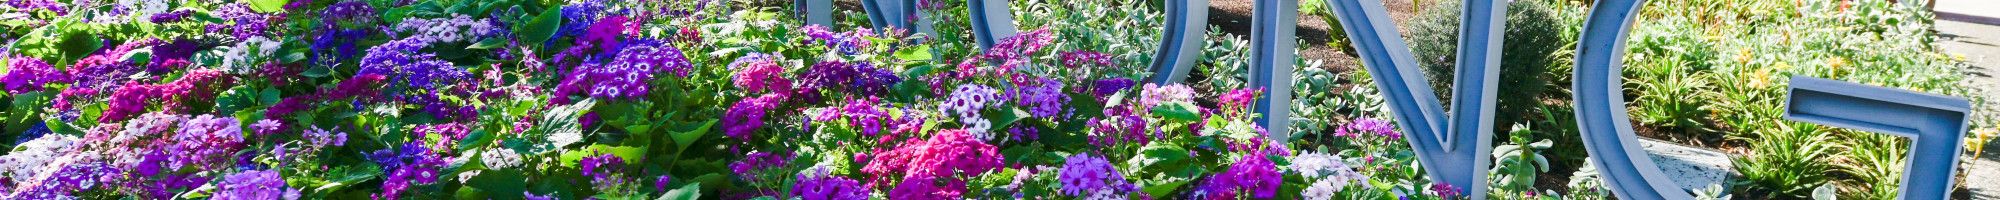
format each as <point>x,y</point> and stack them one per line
<point>1516,163</point>
<point>1531,39</point>
<point>1788,163</point>
<point>1705,67</point>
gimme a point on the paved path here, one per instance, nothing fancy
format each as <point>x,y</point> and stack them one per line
<point>1971,28</point>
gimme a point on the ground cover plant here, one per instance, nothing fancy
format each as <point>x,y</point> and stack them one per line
<point>720,99</point>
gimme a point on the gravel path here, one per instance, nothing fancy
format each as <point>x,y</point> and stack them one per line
<point>1980,45</point>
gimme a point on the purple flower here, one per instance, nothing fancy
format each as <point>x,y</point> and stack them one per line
<point>1368,126</point>
<point>758,164</point>
<point>1086,175</point>
<point>1444,190</point>
<point>205,141</point>
<point>1253,175</point>
<point>255,184</point>
<point>1084,58</point>
<point>246,23</point>
<point>861,114</point>
<point>28,74</point>
<point>626,76</point>
<point>1110,86</point>
<point>265,127</point>
<point>170,16</point>
<point>1044,97</point>
<point>410,164</point>
<point>860,78</point>
<point>818,184</point>
<point>660,184</point>
<point>849,43</point>
<point>742,120</point>
<point>602,169</point>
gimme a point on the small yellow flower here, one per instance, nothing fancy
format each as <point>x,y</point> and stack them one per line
<point>1987,134</point>
<point>1782,66</point>
<point>1836,62</point>
<point>1761,78</point>
<point>1743,56</point>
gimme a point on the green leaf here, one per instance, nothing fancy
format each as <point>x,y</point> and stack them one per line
<point>1182,111</point>
<point>630,154</point>
<point>268,97</point>
<point>317,71</point>
<point>1007,117</point>
<point>1162,189</point>
<point>489,43</point>
<point>691,191</point>
<point>914,53</point>
<point>685,139</point>
<point>542,27</point>
<point>1159,155</point>
<point>501,184</point>
<point>267,6</point>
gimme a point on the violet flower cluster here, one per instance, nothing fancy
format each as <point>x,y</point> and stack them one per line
<point>818,184</point>
<point>1252,176</point>
<point>1088,175</point>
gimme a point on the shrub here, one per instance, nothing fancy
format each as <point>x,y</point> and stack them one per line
<point>1532,36</point>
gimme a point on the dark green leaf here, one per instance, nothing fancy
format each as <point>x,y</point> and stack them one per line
<point>542,27</point>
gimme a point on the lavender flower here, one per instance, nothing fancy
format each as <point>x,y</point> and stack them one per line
<point>205,141</point>
<point>255,184</point>
<point>1084,58</point>
<point>967,101</point>
<point>265,127</point>
<point>1368,126</point>
<point>1084,175</point>
<point>1044,97</point>
<point>1154,95</point>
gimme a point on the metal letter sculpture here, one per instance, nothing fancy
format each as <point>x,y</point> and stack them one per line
<point>1453,149</point>
<point>816,12</point>
<point>991,21</point>
<point>1182,41</point>
<point>1936,123</point>
<point>1600,107</point>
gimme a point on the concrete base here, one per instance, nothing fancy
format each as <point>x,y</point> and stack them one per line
<point>1691,168</point>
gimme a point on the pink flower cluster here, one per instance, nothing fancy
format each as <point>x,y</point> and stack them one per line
<point>929,167</point>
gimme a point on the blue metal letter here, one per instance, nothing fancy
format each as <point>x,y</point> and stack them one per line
<point>1453,150</point>
<point>991,21</point>
<point>1937,124</point>
<point>1182,43</point>
<point>1272,54</point>
<point>1600,107</point>
<point>819,12</point>
<point>886,13</point>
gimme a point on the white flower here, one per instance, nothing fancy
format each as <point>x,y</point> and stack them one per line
<point>500,159</point>
<point>143,9</point>
<point>1323,189</point>
<point>34,155</point>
